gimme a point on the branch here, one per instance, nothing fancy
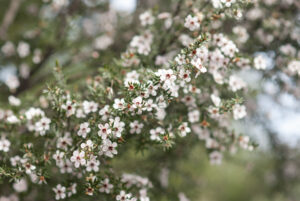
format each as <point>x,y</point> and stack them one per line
<point>9,17</point>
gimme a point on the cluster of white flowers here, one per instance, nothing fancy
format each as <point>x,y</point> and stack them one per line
<point>87,132</point>
<point>142,43</point>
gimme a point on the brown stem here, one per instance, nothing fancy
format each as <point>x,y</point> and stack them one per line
<point>9,17</point>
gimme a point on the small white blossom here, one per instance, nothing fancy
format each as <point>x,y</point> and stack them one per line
<point>146,18</point>
<point>60,192</point>
<point>136,127</point>
<point>194,116</point>
<point>157,133</point>
<point>108,148</point>
<point>69,106</point>
<point>23,49</point>
<point>14,101</point>
<point>104,130</point>
<point>106,186</point>
<point>236,83</point>
<point>89,106</point>
<point>260,62</point>
<point>43,125</point>
<point>4,145</point>
<point>78,158</point>
<point>239,111</point>
<point>184,129</point>
<point>215,158</point>
<point>84,129</point>
<point>92,165</point>
<point>192,23</point>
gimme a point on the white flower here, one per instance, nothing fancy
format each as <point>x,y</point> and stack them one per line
<point>180,59</point>
<point>84,129</point>
<point>294,66</point>
<point>149,105</point>
<point>15,160</point>
<point>185,40</point>
<point>239,111</point>
<point>236,83</point>
<point>166,75</point>
<point>197,63</point>
<point>89,145</point>
<point>157,133</point>
<point>217,4</point>
<point>43,125</point>
<point>214,112</point>
<point>146,18</point>
<point>202,53</point>
<point>152,88</point>
<point>78,158</point>
<point>60,192</point>
<point>69,107</point>
<point>34,112</point>
<point>119,104</point>
<point>28,167</point>
<point>108,148</point>
<point>229,49</point>
<point>72,190</point>
<point>260,62</point>
<point>244,142</point>
<point>143,195</point>
<point>194,116</point>
<point>192,23</point>
<point>12,82</point>
<point>4,145</point>
<point>185,75</point>
<point>104,130</point>
<point>211,143</point>
<point>20,185</point>
<point>12,119</point>
<point>184,129</point>
<point>142,43</point>
<point>136,127</point>
<point>117,127</point>
<point>64,142</point>
<point>216,100</point>
<point>14,101</point>
<point>66,167</point>
<point>137,103</point>
<point>241,32</point>
<point>189,101</point>
<point>58,157</point>
<point>160,113</point>
<point>103,42</point>
<point>80,113</point>
<point>23,49</point>
<point>123,196</point>
<point>92,165</point>
<point>89,106</point>
<point>228,2</point>
<point>8,48</point>
<point>58,4</point>
<point>182,197</point>
<point>106,186</point>
<point>215,158</point>
<point>288,49</point>
<point>104,113</point>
